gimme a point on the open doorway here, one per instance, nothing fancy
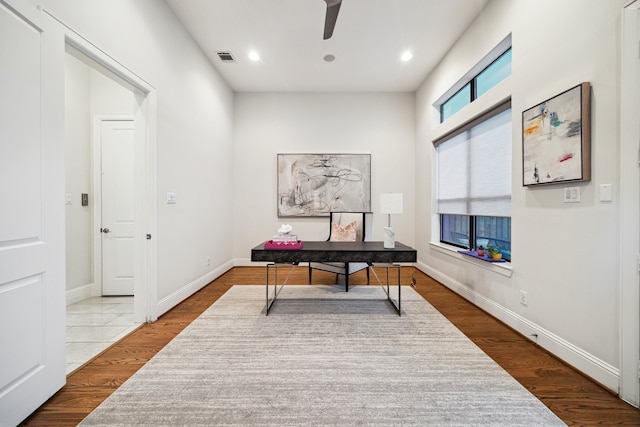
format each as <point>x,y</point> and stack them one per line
<point>105,176</point>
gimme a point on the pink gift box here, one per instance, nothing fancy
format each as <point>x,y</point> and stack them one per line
<point>280,245</point>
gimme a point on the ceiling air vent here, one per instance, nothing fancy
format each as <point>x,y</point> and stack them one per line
<point>226,57</point>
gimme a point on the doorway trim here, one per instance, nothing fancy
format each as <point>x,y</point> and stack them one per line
<point>145,122</point>
<point>629,233</point>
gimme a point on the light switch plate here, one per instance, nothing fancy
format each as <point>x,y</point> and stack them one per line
<point>171,198</point>
<point>571,194</point>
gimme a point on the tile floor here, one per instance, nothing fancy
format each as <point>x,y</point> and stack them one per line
<point>94,324</point>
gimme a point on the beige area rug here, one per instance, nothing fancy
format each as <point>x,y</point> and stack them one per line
<point>322,357</point>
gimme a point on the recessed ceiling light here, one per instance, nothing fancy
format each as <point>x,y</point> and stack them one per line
<point>253,55</point>
<point>329,58</point>
<point>406,56</point>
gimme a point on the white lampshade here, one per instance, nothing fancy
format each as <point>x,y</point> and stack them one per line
<point>391,203</point>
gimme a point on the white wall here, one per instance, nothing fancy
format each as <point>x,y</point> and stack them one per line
<point>194,132</point>
<point>78,173</point>
<point>573,292</point>
<point>379,124</point>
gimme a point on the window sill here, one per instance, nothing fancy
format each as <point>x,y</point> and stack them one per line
<point>502,268</point>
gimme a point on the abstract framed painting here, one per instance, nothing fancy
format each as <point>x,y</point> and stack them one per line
<point>556,139</point>
<point>316,184</point>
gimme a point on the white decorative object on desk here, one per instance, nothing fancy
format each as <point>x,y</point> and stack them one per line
<point>285,229</point>
<point>390,203</point>
<point>285,235</point>
<point>389,238</point>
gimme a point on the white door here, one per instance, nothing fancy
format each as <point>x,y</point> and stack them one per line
<point>32,222</point>
<point>118,206</point>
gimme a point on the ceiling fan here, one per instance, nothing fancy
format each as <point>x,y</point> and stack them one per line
<point>333,7</point>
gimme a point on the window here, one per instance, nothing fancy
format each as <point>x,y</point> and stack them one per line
<point>491,75</point>
<point>471,232</point>
<point>499,70</point>
<point>454,104</point>
<point>474,182</point>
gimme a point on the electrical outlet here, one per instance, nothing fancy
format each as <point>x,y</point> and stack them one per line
<point>523,298</point>
<point>171,198</point>
<point>605,192</point>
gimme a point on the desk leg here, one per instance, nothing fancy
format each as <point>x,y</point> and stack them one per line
<point>276,290</point>
<point>397,306</point>
<point>346,277</point>
<point>399,293</point>
<point>269,304</point>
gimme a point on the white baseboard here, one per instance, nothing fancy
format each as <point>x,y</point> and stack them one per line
<point>602,372</point>
<point>80,293</point>
<point>189,289</point>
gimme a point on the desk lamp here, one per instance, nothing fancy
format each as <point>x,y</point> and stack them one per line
<point>390,203</point>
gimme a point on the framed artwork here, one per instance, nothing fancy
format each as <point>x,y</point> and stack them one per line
<point>556,139</point>
<point>316,184</point>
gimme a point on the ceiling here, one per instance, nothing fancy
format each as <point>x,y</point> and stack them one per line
<point>368,40</point>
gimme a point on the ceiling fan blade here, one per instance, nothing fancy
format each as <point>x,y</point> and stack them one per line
<point>333,7</point>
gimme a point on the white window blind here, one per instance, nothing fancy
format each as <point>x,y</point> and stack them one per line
<point>474,167</point>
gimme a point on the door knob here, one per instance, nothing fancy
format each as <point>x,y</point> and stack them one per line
<point>105,230</point>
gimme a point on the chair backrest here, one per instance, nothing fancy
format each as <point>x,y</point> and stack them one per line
<point>348,226</point>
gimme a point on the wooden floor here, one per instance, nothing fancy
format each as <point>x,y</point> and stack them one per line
<point>572,397</point>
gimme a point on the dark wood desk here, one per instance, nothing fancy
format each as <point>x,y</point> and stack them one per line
<point>347,252</point>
